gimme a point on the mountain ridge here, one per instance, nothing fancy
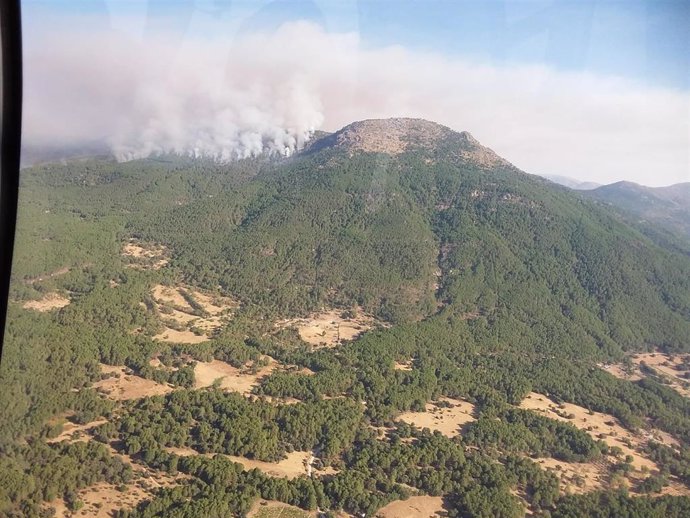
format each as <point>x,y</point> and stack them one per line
<point>667,207</point>
<point>397,135</point>
<point>571,183</point>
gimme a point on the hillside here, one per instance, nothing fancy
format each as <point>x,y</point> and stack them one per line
<point>398,307</point>
<point>667,207</point>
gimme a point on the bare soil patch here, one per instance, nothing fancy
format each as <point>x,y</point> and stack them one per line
<point>291,467</point>
<point>231,378</point>
<point>598,425</point>
<point>673,370</point>
<point>169,295</point>
<point>145,256</point>
<point>49,302</point>
<point>72,431</point>
<point>271,509</point>
<point>583,477</point>
<point>294,465</point>
<point>184,451</point>
<point>180,337</point>
<point>579,478</point>
<point>446,416</point>
<point>620,372</point>
<point>403,366</point>
<point>122,386</point>
<point>330,328</point>
<point>190,316</point>
<point>102,499</point>
<point>576,477</point>
<point>413,507</point>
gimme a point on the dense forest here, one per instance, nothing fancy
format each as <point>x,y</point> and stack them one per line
<point>488,282</point>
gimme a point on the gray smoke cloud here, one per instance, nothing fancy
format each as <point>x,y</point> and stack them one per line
<point>267,92</point>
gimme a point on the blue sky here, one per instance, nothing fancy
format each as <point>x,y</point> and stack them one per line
<point>643,40</point>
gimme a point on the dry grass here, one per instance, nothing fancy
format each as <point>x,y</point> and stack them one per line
<point>598,425</point>
<point>575,477</point>
<point>329,328</point>
<point>670,368</point>
<point>181,319</point>
<point>448,420</point>
<point>102,499</point>
<point>169,295</point>
<point>619,372</point>
<point>49,302</point>
<point>293,466</point>
<point>584,477</point>
<point>579,478</point>
<point>124,386</point>
<point>180,337</point>
<point>145,256</point>
<point>413,507</point>
<point>271,509</point>
<point>70,431</point>
<point>231,378</point>
<point>403,366</point>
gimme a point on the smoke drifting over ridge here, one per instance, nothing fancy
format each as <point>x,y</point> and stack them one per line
<point>224,101</point>
<point>267,92</point>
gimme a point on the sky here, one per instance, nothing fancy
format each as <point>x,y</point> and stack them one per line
<point>593,90</point>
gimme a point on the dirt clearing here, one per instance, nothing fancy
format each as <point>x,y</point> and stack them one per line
<point>621,372</point>
<point>75,432</point>
<point>189,316</point>
<point>180,337</point>
<point>145,256</point>
<point>403,366</point>
<point>577,477</point>
<point>446,416</point>
<point>295,464</point>
<point>598,425</point>
<point>583,477</point>
<point>413,507</point>
<point>231,378</point>
<point>291,467</point>
<point>122,385</point>
<point>271,509</point>
<point>49,302</point>
<point>332,327</point>
<point>102,499</point>
<point>672,369</point>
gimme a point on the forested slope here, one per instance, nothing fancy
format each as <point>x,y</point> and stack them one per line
<point>489,282</point>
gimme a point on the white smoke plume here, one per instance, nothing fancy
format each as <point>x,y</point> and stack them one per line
<point>237,97</point>
<point>217,100</point>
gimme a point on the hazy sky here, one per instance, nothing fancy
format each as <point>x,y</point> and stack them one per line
<point>593,90</point>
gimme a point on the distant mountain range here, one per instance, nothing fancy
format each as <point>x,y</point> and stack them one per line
<point>665,206</point>
<point>572,182</point>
